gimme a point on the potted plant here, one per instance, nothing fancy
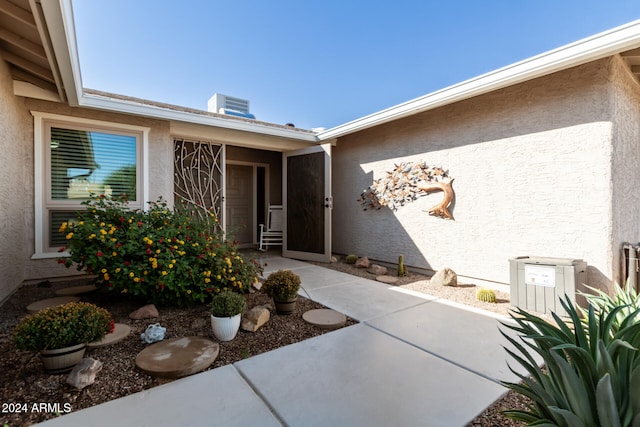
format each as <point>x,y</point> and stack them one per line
<point>226,310</point>
<point>60,334</point>
<point>283,286</point>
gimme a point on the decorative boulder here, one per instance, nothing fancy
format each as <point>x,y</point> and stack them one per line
<point>378,270</point>
<point>84,373</point>
<point>445,277</point>
<point>147,312</point>
<point>363,262</point>
<point>255,318</point>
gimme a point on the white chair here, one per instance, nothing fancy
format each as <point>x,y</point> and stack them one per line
<point>271,234</point>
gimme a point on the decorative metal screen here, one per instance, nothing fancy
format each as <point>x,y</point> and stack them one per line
<point>198,176</point>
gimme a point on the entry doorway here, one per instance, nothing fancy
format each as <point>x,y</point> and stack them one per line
<point>245,200</point>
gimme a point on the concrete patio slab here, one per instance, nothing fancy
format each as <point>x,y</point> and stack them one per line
<point>364,299</point>
<point>216,397</point>
<point>275,263</point>
<point>358,376</point>
<point>314,277</point>
<point>478,344</point>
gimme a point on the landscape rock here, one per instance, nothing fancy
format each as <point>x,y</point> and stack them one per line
<point>334,259</point>
<point>378,270</point>
<point>255,318</point>
<point>389,280</point>
<point>84,373</point>
<point>445,277</point>
<point>363,262</point>
<point>147,312</point>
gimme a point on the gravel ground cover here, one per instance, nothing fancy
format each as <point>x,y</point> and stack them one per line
<point>23,381</point>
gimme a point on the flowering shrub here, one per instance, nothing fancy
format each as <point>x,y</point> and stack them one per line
<point>164,256</point>
<point>63,326</point>
<point>282,285</point>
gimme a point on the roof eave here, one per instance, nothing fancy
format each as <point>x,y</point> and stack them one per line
<point>586,50</point>
<point>158,112</point>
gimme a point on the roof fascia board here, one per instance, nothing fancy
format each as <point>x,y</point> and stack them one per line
<point>127,107</point>
<point>58,15</point>
<point>592,48</point>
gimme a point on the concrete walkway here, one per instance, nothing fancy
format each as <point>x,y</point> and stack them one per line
<point>411,361</point>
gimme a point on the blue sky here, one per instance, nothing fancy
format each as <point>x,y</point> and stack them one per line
<point>319,64</point>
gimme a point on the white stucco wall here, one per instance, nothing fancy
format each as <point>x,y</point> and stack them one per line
<point>625,96</point>
<point>16,182</point>
<point>532,177</point>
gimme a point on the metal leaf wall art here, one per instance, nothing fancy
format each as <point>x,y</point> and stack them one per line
<point>405,183</point>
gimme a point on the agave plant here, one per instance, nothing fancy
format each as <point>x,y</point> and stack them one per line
<point>627,298</point>
<point>592,374</point>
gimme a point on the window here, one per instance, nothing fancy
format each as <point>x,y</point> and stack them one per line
<point>75,158</point>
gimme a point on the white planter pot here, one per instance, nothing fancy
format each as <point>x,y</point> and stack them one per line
<point>225,328</point>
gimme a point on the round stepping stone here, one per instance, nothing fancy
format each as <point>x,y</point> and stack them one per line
<point>120,332</point>
<point>390,280</point>
<point>76,290</point>
<point>51,302</point>
<point>325,318</point>
<point>178,357</point>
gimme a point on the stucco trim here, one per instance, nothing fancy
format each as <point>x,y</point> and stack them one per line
<point>39,168</point>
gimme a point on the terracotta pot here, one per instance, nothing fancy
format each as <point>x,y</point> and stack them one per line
<point>286,307</point>
<point>225,328</point>
<point>62,360</point>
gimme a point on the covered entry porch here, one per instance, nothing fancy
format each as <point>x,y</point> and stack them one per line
<point>239,183</point>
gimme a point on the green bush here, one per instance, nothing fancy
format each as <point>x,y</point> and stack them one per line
<point>351,259</point>
<point>282,285</point>
<point>62,326</point>
<point>164,256</point>
<point>227,304</point>
<point>592,373</point>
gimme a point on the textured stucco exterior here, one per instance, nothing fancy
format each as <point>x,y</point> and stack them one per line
<point>533,176</point>
<point>625,98</point>
<point>17,179</point>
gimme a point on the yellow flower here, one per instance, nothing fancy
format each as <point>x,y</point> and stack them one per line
<point>69,236</point>
<point>106,276</point>
<point>92,235</point>
<point>170,265</point>
<point>104,270</point>
<point>63,227</point>
<point>118,270</point>
<point>207,280</point>
<point>131,274</point>
<point>103,232</point>
<point>188,291</point>
<point>114,253</point>
<point>164,273</point>
<point>136,279</point>
<point>218,277</point>
<point>102,224</point>
<point>124,291</point>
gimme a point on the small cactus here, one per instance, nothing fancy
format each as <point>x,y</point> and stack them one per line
<point>486,295</point>
<point>351,259</point>
<point>402,269</point>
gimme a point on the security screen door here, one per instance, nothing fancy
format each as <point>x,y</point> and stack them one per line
<point>308,203</point>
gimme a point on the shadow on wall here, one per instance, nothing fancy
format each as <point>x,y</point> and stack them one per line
<point>382,225</point>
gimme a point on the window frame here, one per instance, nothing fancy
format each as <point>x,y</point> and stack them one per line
<point>44,203</point>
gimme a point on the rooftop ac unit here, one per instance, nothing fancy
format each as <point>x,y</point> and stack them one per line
<point>220,102</point>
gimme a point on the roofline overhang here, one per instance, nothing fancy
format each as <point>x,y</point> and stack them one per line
<point>599,46</point>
